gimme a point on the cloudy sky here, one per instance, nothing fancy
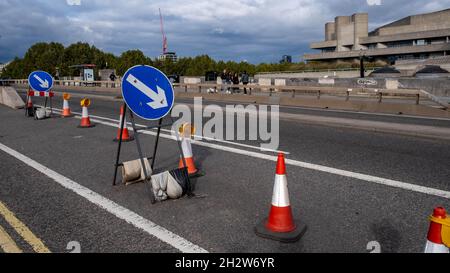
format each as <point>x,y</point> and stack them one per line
<point>252,30</point>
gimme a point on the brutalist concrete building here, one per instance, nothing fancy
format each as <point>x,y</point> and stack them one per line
<point>414,37</point>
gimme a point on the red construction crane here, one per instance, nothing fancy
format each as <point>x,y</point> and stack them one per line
<point>163,34</point>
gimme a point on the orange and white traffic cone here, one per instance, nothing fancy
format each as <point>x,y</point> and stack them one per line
<point>85,120</point>
<point>186,131</point>
<point>125,134</point>
<point>438,239</point>
<point>280,224</point>
<point>29,112</point>
<point>66,109</point>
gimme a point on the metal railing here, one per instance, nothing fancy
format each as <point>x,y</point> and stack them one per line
<point>270,90</point>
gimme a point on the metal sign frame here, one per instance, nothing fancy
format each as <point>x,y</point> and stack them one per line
<point>136,131</point>
<point>47,100</point>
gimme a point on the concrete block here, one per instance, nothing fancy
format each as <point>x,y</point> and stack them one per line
<point>189,80</point>
<point>11,98</point>
<point>265,82</point>
<point>280,82</point>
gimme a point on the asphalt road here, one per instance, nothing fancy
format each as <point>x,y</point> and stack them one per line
<point>343,213</point>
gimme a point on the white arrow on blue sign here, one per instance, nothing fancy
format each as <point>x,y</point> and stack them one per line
<point>40,81</point>
<point>147,92</point>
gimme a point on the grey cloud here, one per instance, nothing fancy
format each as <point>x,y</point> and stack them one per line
<point>255,30</point>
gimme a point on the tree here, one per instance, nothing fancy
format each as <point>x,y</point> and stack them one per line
<point>14,70</point>
<point>131,58</point>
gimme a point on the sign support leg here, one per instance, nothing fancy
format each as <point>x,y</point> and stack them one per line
<point>156,142</point>
<point>26,103</point>
<point>141,158</point>
<point>120,143</point>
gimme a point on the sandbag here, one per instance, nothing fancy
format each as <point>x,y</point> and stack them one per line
<point>132,171</point>
<point>42,113</point>
<point>170,184</point>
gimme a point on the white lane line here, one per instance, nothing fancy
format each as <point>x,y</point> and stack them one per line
<point>117,210</point>
<point>202,137</point>
<point>306,165</point>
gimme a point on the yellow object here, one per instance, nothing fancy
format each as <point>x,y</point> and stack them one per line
<point>85,102</point>
<point>7,243</point>
<point>66,96</point>
<point>24,232</point>
<point>187,129</point>
<point>445,231</point>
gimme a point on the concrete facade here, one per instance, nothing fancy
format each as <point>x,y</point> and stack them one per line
<point>420,36</point>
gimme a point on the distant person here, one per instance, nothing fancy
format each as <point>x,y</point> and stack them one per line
<point>113,77</point>
<point>245,80</point>
<point>235,81</point>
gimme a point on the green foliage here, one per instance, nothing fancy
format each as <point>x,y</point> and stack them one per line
<point>131,58</point>
<point>50,56</point>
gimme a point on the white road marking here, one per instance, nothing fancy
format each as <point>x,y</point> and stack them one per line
<point>203,137</point>
<point>306,165</point>
<point>117,210</point>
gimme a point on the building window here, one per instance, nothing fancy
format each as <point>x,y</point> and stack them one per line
<point>399,44</point>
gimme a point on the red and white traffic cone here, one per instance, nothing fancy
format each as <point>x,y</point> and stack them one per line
<point>438,239</point>
<point>125,134</point>
<point>280,224</point>
<point>29,108</point>
<point>85,120</point>
<point>66,109</point>
<point>186,132</point>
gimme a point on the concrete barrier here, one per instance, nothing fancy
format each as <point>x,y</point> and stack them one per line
<point>189,80</point>
<point>280,82</point>
<point>10,98</point>
<point>264,82</point>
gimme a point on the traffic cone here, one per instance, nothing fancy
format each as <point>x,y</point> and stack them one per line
<point>186,131</point>
<point>66,109</point>
<point>125,134</point>
<point>85,121</point>
<point>438,239</point>
<point>280,224</point>
<point>30,108</point>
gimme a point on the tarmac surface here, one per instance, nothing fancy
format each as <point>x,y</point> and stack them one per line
<point>350,187</point>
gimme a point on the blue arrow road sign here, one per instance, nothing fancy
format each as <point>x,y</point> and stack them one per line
<point>40,81</point>
<point>147,92</point>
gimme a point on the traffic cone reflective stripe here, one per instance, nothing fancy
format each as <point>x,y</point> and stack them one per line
<point>438,230</point>
<point>280,224</point>
<point>125,134</point>
<point>280,216</point>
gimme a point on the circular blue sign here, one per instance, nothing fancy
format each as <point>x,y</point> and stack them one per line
<point>40,81</point>
<point>147,92</point>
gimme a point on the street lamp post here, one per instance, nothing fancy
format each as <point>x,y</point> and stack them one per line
<point>361,64</point>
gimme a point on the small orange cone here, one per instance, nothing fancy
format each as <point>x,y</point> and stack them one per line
<point>280,224</point>
<point>125,134</point>
<point>66,109</point>
<point>85,120</point>
<point>438,239</point>
<point>186,131</point>
<point>29,108</point>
